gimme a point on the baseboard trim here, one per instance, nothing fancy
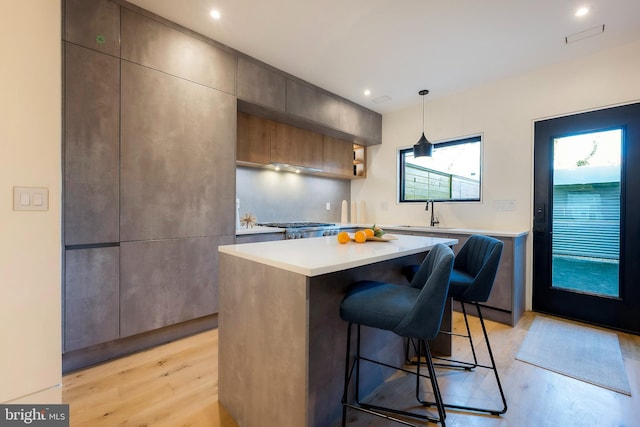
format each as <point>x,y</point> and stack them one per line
<point>99,353</point>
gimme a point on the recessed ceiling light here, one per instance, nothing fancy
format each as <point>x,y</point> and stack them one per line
<point>215,14</point>
<point>582,11</point>
<point>367,92</point>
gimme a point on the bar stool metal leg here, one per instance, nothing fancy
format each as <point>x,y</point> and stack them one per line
<point>371,408</point>
<point>470,366</point>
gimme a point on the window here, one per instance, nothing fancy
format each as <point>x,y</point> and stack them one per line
<point>452,173</point>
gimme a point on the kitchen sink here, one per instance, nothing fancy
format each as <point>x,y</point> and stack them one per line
<point>421,226</point>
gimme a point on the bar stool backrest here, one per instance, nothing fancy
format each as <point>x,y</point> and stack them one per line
<point>479,258</point>
<point>433,277</point>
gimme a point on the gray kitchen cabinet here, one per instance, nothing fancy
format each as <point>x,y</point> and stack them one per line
<point>357,121</point>
<point>153,44</point>
<point>94,24</point>
<point>177,169</point>
<point>312,103</point>
<point>261,85</point>
<point>91,146</point>
<point>91,297</point>
<point>507,301</point>
<point>164,282</point>
<point>319,106</point>
<point>149,171</point>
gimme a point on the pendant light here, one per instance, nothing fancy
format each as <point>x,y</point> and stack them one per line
<point>423,148</point>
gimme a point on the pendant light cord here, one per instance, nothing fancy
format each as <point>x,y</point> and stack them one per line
<point>423,114</point>
<point>422,93</point>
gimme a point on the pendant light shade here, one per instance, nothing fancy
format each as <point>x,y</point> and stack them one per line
<point>423,148</point>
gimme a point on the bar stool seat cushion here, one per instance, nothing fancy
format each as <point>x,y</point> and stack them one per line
<point>460,282</point>
<point>377,304</point>
<point>413,311</point>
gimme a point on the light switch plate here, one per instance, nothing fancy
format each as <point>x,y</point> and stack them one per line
<point>30,199</point>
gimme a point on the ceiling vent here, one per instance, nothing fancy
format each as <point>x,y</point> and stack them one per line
<point>380,99</point>
<point>584,34</point>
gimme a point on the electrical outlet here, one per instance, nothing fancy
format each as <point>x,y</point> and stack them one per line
<point>504,205</point>
<point>328,206</point>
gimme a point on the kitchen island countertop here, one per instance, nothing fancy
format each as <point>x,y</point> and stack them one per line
<point>322,255</point>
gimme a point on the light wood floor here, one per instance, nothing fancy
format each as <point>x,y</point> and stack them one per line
<point>176,385</point>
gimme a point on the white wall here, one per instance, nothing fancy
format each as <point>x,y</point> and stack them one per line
<point>504,112</point>
<point>30,127</point>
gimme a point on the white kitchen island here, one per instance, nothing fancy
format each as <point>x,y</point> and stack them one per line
<point>281,340</point>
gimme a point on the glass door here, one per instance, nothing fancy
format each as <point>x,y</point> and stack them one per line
<point>587,217</point>
<point>585,244</point>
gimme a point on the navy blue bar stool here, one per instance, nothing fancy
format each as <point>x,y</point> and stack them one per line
<point>414,312</point>
<point>474,272</point>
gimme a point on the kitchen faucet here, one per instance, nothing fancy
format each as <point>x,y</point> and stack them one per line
<point>434,220</point>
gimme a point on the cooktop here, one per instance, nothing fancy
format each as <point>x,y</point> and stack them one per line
<point>297,224</point>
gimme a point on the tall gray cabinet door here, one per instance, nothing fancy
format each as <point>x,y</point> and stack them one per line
<point>168,281</point>
<point>94,24</point>
<point>177,157</point>
<point>91,146</point>
<point>91,297</point>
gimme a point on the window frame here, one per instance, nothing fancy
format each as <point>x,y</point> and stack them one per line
<point>440,144</point>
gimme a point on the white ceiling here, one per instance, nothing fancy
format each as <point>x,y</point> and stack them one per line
<point>397,47</point>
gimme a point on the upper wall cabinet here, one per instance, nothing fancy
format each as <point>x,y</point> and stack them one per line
<point>336,156</point>
<point>93,24</point>
<point>91,146</point>
<point>260,85</point>
<point>254,140</point>
<point>262,141</point>
<point>311,103</point>
<point>321,107</point>
<point>158,46</point>
<point>359,122</point>
<point>297,147</point>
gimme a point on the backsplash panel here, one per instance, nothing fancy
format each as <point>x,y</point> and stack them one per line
<point>285,196</point>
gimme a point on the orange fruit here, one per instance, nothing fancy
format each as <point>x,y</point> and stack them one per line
<point>369,232</point>
<point>343,237</point>
<point>360,236</point>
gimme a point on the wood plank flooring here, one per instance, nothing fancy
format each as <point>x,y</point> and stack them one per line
<point>176,385</point>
